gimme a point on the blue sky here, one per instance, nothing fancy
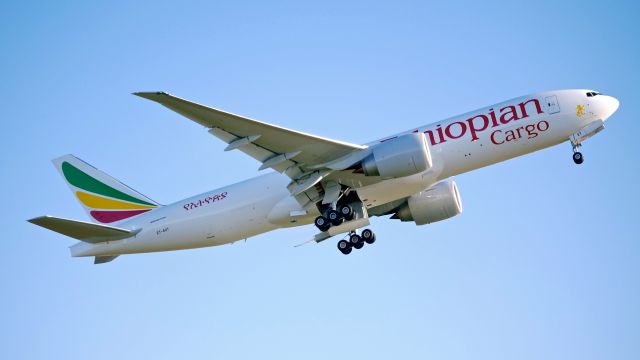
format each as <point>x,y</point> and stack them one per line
<point>543,263</point>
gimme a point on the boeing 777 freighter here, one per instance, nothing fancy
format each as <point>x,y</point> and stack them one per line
<point>336,185</point>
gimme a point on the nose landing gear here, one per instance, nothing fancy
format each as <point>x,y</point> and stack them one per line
<point>577,157</point>
<point>582,135</point>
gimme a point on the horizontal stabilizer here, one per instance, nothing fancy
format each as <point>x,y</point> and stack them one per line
<point>82,230</point>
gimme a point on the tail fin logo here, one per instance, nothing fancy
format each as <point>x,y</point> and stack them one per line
<point>106,204</point>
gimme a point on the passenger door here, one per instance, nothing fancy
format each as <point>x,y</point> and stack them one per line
<point>552,105</point>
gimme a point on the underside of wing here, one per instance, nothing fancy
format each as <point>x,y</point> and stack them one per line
<point>275,147</point>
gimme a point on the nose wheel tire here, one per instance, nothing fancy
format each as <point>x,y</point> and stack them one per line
<point>578,158</point>
<point>344,247</point>
<point>322,223</point>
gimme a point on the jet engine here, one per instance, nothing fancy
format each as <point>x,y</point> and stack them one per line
<point>402,156</point>
<point>439,202</point>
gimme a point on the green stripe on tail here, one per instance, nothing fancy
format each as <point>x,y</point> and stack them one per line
<point>80,179</point>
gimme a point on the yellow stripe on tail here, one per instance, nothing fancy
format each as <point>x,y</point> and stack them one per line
<point>99,202</point>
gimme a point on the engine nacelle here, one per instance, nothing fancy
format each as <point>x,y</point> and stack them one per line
<point>403,156</point>
<point>439,202</point>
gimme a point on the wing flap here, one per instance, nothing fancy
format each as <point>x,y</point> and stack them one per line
<point>104,259</point>
<point>82,230</point>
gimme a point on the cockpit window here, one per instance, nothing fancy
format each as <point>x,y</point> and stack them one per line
<point>593,93</point>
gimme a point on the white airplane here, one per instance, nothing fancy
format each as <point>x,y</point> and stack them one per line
<point>333,184</point>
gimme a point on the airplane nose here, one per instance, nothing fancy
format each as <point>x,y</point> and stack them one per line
<point>609,106</point>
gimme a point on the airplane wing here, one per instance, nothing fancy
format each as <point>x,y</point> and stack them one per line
<point>284,150</point>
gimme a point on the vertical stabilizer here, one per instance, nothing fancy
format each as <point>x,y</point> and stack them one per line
<point>104,198</point>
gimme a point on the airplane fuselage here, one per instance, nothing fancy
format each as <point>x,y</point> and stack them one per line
<point>459,144</point>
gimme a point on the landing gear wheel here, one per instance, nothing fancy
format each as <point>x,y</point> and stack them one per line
<point>346,211</point>
<point>322,223</point>
<point>335,217</point>
<point>368,236</point>
<point>578,158</point>
<point>356,241</point>
<point>344,247</point>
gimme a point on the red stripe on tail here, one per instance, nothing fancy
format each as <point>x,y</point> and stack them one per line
<point>111,216</point>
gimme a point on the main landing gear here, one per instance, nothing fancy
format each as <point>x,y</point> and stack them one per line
<point>356,241</point>
<point>337,216</point>
<point>334,217</point>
